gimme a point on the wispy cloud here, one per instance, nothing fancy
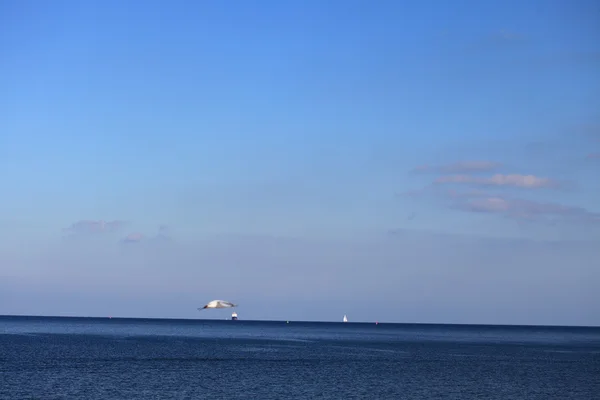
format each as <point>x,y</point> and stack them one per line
<point>88,227</point>
<point>459,167</point>
<point>514,180</point>
<point>482,201</point>
<point>528,210</point>
<point>137,237</point>
<point>133,238</point>
<point>437,190</point>
<point>593,156</point>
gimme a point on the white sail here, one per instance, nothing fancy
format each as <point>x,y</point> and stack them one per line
<point>345,319</point>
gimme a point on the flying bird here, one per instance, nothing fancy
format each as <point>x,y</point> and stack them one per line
<point>218,304</point>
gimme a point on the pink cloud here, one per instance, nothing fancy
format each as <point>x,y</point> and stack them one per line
<point>593,155</point>
<point>515,180</point>
<point>460,167</point>
<point>480,201</point>
<point>526,209</point>
<point>133,238</point>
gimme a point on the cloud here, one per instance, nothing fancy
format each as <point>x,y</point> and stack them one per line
<point>437,191</point>
<point>528,210</point>
<point>476,200</point>
<point>460,167</point>
<point>133,238</point>
<point>593,156</point>
<point>514,180</point>
<point>137,237</point>
<point>89,227</point>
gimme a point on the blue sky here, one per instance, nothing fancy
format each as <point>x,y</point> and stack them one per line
<point>405,161</point>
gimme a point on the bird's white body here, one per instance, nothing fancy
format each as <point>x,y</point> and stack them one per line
<point>218,304</point>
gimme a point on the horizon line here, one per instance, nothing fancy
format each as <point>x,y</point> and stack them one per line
<point>2,316</point>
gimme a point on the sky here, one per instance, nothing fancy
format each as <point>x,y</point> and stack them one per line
<point>414,161</point>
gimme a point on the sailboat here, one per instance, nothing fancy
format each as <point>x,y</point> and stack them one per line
<point>345,319</point>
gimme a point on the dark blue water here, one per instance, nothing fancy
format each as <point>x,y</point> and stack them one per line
<point>87,358</point>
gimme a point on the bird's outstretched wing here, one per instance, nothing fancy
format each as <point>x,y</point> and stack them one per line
<point>218,304</point>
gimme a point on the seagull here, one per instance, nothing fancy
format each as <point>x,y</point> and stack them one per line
<point>218,304</point>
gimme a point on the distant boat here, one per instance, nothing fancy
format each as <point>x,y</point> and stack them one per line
<point>345,319</point>
<point>234,316</point>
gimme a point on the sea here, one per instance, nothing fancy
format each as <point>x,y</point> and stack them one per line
<point>113,358</point>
